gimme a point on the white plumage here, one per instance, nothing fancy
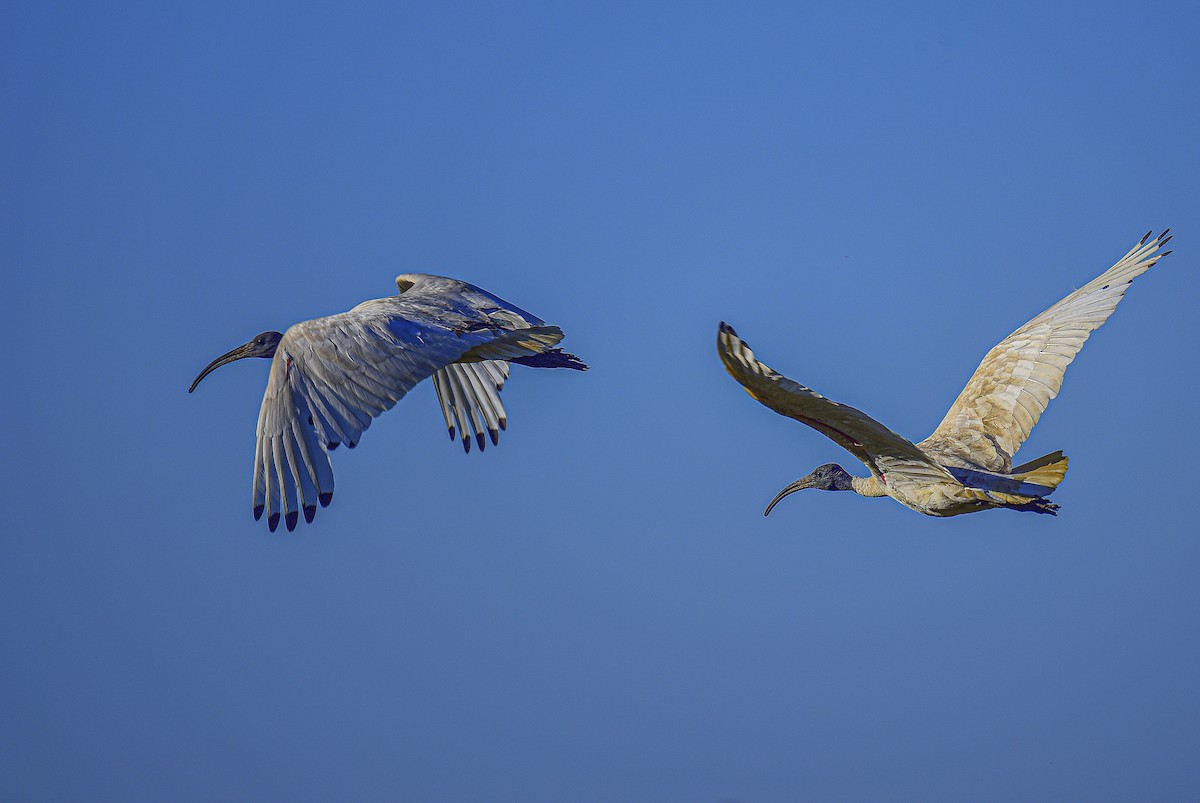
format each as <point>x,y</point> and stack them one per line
<point>331,376</point>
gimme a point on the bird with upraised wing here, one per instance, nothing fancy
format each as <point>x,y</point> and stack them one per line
<point>966,464</point>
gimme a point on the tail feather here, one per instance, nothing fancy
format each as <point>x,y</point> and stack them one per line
<point>516,343</point>
<point>1047,470</point>
<point>554,358</point>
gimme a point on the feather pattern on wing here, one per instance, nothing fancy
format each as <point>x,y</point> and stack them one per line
<point>1011,388</point>
<point>469,395</point>
<point>885,453</point>
<point>331,376</point>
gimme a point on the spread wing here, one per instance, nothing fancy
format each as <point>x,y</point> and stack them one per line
<point>883,452</point>
<point>1011,388</point>
<point>331,376</point>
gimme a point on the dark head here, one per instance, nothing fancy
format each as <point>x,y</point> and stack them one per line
<point>829,477</point>
<point>262,346</point>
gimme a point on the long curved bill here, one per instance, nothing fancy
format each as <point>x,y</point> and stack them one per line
<point>244,350</point>
<point>798,485</point>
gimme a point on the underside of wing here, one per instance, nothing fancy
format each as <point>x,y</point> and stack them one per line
<point>469,395</point>
<point>331,376</point>
<point>878,447</point>
<point>352,367</point>
<point>291,465</point>
<point>1011,388</point>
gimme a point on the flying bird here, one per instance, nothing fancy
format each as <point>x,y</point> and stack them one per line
<point>966,464</point>
<point>330,376</point>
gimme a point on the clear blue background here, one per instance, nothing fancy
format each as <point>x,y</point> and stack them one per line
<point>873,194</point>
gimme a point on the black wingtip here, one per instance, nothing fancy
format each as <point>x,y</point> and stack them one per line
<point>451,433</point>
<point>290,520</point>
<point>503,423</point>
<point>466,442</point>
<point>273,522</point>
<point>325,498</point>
<point>495,436</point>
<point>258,511</point>
<point>310,513</point>
<point>1147,237</point>
<point>480,440</point>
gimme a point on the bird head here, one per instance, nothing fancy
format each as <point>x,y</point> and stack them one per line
<point>263,345</point>
<point>829,477</point>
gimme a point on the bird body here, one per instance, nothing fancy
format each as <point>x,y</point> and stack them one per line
<point>965,465</point>
<point>331,376</point>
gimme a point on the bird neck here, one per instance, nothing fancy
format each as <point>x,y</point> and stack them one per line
<point>868,486</point>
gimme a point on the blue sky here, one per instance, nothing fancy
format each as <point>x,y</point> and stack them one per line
<point>596,610</point>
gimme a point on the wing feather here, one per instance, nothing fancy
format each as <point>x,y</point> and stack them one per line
<point>441,383</point>
<point>486,397</point>
<point>472,390</point>
<point>320,394</point>
<point>462,412</point>
<point>1018,378</point>
<point>879,448</point>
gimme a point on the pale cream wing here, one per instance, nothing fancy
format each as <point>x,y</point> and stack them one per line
<point>1011,388</point>
<point>885,453</point>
